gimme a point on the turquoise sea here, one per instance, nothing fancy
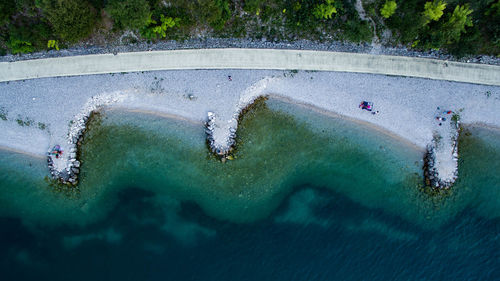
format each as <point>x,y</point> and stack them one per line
<point>310,196</point>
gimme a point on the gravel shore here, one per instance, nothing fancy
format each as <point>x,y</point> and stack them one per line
<point>42,113</point>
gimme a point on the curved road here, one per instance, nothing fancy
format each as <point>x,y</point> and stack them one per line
<point>250,59</point>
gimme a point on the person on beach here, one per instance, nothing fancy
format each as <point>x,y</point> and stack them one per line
<point>230,78</point>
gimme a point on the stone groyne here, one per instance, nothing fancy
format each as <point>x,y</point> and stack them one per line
<point>66,167</point>
<point>221,139</point>
<point>441,158</point>
<point>220,149</point>
<point>221,134</point>
<point>440,161</point>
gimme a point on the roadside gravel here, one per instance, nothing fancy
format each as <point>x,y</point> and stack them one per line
<point>211,43</point>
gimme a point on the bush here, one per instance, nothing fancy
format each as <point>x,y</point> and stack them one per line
<point>131,14</point>
<point>18,46</point>
<point>253,6</point>
<point>72,20</point>
<point>388,9</point>
<point>212,13</point>
<point>219,11</point>
<point>27,34</point>
<point>153,31</point>
<point>325,10</point>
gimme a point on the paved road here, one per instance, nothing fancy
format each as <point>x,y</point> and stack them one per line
<point>250,59</point>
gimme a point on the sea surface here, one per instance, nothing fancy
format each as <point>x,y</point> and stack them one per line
<point>309,196</point>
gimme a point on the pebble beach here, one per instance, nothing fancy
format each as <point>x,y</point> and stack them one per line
<point>42,113</point>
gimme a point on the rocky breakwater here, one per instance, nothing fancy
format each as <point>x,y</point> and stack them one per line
<point>66,167</point>
<point>219,143</point>
<point>221,132</point>
<point>441,159</point>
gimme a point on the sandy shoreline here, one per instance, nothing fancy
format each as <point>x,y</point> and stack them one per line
<point>350,119</point>
<point>159,114</point>
<point>10,149</point>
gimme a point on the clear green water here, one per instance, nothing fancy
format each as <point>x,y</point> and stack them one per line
<point>281,146</point>
<point>337,184</point>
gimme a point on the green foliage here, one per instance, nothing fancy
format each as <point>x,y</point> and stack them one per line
<point>98,4</point>
<point>491,26</point>
<point>357,31</point>
<point>405,21</point>
<point>433,11</point>
<point>7,9</point>
<point>72,20</point>
<point>325,10</point>
<point>18,46</point>
<point>254,6</point>
<point>132,14</point>
<point>221,12</point>
<point>206,13</point>
<point>153,31</point>
<point>26,35</point>
<point>53,44</point>
<point>456,24</point>
<point>388,9</point>
<point>425,24</point>
<point>494,10</point>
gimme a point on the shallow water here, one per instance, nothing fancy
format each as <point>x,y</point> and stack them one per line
<point>309,197</point>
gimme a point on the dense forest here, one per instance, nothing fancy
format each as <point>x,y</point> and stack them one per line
<point>459,27</point>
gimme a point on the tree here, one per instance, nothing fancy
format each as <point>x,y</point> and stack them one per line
<point>325,10</point>
<point>72,20</point>
<point>433,11</point>
<point>133,14</point>
<point>455,26</point>
<point>388,9</point>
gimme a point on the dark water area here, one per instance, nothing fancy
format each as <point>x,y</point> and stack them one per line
<point>150,209</point>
